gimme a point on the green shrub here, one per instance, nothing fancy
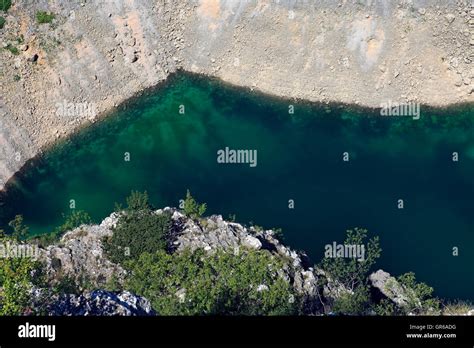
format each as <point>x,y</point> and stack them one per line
<point>74,219</point>
<point>113,284</point>
<point>420,299</point>
<point>44,17</point>
<point>5,5</point>
<point>16,283</point>
<point>349,271</point>
<point>2,21</point>
<point>137,233</point>
<point>195,283</point>
<point>192,208</point>
<point>138,201</point>
<point>278,234</point>
<point>17,277</point>
<point>12,49</point>
<point>385,307</point>
<point>138,230</point>
<point>353,304</point>
<point>67,285</point>
<point>20,231</point>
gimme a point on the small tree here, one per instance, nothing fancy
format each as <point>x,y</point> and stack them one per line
<point>384,308</point>
<point>20,231</point>
<point>138,201</point>
<point>420,299</point>
<point>138,230</point>
<point>71,221</point>
<point>350,272</point>
<point>353,303</point>
<point>192,208</point>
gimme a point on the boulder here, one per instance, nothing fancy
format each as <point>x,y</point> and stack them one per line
<point>391,288</point>
<point>101,303</point>
<point>252,243</point>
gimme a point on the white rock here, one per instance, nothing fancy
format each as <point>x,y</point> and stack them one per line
<point>176,215</point>
<point>252,242</point>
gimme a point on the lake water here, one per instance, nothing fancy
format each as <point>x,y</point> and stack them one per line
<point>299,158</point>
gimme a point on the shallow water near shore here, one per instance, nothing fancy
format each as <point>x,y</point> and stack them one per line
<point>299,158</point>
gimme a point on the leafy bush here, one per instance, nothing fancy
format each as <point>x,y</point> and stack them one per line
<point>66,285</point>
<point>44,17</point>
<point>385,307</point>
<point>12,49</point>
<point>138,201</point>
<point>353,304</point>
<point>195,283</point>
<point>17,276</point>
<point>138,230</point>
<point>5,5</point>
<point>349,271</point>
<point>74,219</point>
<point>113,284</point>
<point>420,299</point>
<point>16,283</point>
<point>192,208</point>
<point>20,231</point>
<point>2,21</point>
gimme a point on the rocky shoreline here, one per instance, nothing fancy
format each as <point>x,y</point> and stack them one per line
<point>102,53</point>
<point>80,255</point>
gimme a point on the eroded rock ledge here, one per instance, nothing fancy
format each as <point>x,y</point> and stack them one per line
<point>79,254</point>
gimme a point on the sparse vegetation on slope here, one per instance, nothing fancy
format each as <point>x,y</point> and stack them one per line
<point>44,17</point>
<point>222,283</point>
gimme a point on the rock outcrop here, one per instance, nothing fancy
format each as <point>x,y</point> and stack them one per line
<point>101,303</point>
<point>391,288</point>
<point>80,256</point>
<point>214,233</point>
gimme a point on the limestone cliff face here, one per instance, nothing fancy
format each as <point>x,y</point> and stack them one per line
<point>103,52</point>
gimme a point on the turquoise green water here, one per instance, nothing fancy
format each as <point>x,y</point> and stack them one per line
<point>300,157</point>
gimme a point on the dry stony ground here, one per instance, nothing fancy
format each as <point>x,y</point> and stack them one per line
<point>103,52</point>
